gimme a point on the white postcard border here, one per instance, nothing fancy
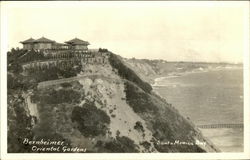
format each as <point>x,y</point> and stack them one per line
<point>127,156</point>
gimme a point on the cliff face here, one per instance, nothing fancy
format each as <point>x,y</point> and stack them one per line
<point>104,107</point>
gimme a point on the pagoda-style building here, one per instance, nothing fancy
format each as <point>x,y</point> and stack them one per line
<point>45,44</point>
<point>28,44</point>
<point>78,44</point>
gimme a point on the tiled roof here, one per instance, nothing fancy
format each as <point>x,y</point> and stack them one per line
<point>31,40</point>
<point>76,41</point>
<point>44,40</point>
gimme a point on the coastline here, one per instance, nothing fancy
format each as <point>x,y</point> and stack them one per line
<point>194,71</point>
<point>227,140</point>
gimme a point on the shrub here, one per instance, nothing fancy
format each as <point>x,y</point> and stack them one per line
<point>57,96</point>
<point>103,50</point>
<point>19,126</point>
<point>139,127</point>
<point>66,84</point>
<point>46,128</point>
<point>53,73</point>
<point>119,145</point>
<point>162,131</point>
<point>118,133</point>
<point>139,100</point>
<point>91,120</point>
<point>110,111</point>
<point>127,73</point>
<point>145,144</point>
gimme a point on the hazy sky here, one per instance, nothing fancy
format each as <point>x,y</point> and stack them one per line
<point>179,31</point>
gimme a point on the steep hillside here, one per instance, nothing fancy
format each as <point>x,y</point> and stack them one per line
<point>98,107</point>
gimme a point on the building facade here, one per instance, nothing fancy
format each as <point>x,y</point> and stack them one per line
<point>43,43</point>
<point>28,44</point>
<point>77,44</point>
<point>60,46</point>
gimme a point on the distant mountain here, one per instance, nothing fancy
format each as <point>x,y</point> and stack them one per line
<point>93,102</point>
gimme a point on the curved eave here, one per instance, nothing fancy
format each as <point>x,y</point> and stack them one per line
<point>43,42</point>
<point>70,43</point>
<point>25,42</point>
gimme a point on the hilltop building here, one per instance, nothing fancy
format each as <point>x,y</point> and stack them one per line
<point>28,44</point>
<point>45,44</point>
<point>78,44</point>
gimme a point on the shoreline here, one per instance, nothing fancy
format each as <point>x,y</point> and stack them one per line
<point>194,71</point>
<point>226,139</point>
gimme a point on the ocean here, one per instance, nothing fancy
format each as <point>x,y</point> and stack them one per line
<point>209,97</point>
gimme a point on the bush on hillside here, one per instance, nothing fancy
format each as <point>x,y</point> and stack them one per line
<point>32,56</point>
<point>162,131</point>
<point>91,120</point>
<point>139,100</point>
<point>19,126</point>
<point>139,127</point>
<point>47,126</point>
<point>54,73</point>
<point>145,144</point>
<point>14,55</point>
<point>127,73</point>
<point>65,85</point>
<point>14,82</point>
<point>119,145</point>
<point>57,96</point>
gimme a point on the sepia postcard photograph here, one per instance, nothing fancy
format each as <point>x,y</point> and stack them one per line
<point>110,80</point>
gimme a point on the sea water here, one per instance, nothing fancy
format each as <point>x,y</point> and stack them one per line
<point>209,97</point>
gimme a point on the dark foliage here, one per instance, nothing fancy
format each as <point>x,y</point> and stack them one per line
<point>54,73</point>
<point>146,144</point>
<point>139,127</point>
<point>32,56</point>
<point>16,57</point>
<point>19,82</point>
<point>18,128</point>
<point>57,96</point>
<point>139,100</point>
<point>14,67</point>
<point>66,85</point>
<point>119,145</point>
<point>13,63</point>
<point>127,73</point>
<point>91,120</point>
<point>103,50</point>
<point>46,127</point>
<point>162,131</point>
